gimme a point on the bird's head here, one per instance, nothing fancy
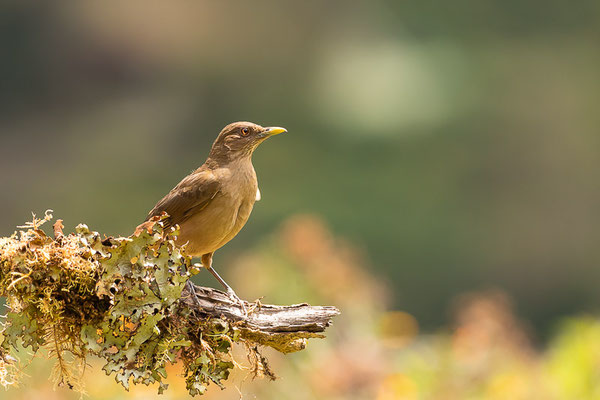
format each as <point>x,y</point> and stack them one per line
<point>239,139</point>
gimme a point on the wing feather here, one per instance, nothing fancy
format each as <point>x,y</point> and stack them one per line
<point>189,197</point>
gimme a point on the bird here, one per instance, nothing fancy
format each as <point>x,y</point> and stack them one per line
<point>213,203</point>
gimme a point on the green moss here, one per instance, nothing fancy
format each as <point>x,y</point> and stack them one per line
<point>116,298</point>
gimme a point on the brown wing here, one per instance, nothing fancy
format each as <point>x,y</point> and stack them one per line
<point>189,197</point>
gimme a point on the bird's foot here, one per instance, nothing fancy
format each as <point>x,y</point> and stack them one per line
<point>240,302</point>
<point>192,292</point>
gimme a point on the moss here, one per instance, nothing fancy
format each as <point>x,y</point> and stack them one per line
<point>115,298</point>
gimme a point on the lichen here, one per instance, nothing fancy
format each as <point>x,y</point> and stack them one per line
<point>116,298</point>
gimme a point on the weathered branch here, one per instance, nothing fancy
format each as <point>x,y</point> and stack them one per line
<point>285,328</point>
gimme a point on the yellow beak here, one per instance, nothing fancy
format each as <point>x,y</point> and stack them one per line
<point>274,130</point>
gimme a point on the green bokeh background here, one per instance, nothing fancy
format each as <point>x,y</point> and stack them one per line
<point>456,143</point>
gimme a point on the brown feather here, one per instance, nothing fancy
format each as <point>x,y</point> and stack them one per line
<point>190,196</point>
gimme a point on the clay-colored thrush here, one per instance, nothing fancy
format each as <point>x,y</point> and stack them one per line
<point>214,202</point>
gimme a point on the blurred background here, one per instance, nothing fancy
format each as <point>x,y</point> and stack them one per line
<point>439,181</point>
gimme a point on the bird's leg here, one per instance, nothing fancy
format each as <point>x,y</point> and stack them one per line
<point>228,288</point>
<point>207,263</point>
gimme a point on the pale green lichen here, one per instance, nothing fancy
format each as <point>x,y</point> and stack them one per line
<point>115,298</point>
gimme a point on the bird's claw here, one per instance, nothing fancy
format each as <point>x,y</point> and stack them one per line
<point>241,303</point>
<point>192,293</point>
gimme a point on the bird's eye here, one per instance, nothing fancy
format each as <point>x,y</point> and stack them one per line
<point>245,131</point>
